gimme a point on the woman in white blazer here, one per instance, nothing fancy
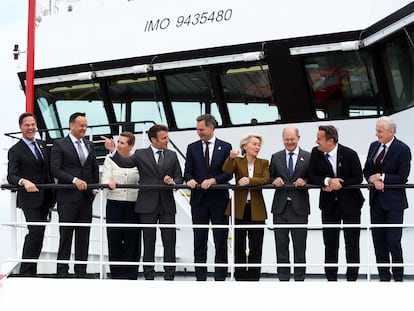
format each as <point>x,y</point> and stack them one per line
<point>124,244</point>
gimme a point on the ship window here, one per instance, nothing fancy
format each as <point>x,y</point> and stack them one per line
<point>147,111</point>
<point>186,113</point>
<point>191,95</point>
<point>343,85</point>
<point>57,102</point>
<point>248,94</point>
<point>135,100</point>
<point>398,65</point>
<point>93,109</point>
<point>49,117</point>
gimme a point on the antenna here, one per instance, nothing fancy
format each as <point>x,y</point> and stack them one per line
<point>17,52</point>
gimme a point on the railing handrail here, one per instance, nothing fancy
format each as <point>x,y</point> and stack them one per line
<point>212,187</point>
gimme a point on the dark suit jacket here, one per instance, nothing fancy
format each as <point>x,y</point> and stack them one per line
<point>238,166</point>
<point>195,168</point>
<point>278,168</point>
<point>151,174</point>
<point>65,165</point>
<point>349,169</point>
<point>23,164</point>
<point>396,167</point>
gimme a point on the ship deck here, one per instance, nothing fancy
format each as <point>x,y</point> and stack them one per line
<point>49,294</point>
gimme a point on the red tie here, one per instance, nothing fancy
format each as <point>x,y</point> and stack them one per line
<point>380,157</point>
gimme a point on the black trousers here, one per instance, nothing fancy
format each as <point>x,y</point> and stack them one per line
<point>204,213</point>
<point>387,241</point>
<point>331,241</point>
<point>124,244</point>
<point>252,255</point>
<point>74,212</point>
<point>33,240</point>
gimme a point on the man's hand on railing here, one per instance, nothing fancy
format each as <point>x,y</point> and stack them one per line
<point>278,182</point>
<point>29,186</point>
<point>207,183</point>
<point>334,184</point>
<point>191,183</point>
<point>81,184</point>
<point>299,182</point>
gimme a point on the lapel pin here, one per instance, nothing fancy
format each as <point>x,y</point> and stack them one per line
<point>219,148</point>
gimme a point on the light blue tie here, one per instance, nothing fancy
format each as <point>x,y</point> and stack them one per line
<point>82,156</point>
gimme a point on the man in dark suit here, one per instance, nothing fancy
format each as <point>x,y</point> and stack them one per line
<point>388,162</point>
<point>333,166</point>
<point>204,162</point>
<point>73,161</point>
<point>290,167</point>
<point>157,165</point>
<point>29,165</point>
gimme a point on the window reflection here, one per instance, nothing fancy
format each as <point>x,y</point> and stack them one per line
<point>248,94</point>
<point>58,102</point>
<point>191,94</point>
<point>343,85</point>
<point>398,65</point>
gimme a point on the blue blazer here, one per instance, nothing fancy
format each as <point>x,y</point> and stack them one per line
<point>23,164</point>
<point>396,167</point>
<point>195,169</point>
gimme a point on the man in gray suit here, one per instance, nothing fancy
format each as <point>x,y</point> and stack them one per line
<point>290,167</point>
<point>157,165</point>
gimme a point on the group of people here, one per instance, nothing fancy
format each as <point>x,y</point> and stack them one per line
<point>211,161</point>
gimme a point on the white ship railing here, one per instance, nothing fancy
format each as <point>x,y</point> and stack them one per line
<point>102,225</point>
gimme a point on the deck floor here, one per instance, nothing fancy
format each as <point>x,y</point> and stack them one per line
<point>17,293</point>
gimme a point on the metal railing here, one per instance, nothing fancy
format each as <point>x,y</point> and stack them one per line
<point>231,226</point>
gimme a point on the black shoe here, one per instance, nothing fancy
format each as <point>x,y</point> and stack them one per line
<point>62,274</point>
<point>81,275</point>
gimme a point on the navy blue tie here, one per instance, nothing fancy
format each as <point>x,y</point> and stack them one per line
<point>330,164</point>
<point>39,156</point>
<point>290,164</point>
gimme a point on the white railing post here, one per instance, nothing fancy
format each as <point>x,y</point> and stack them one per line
<point>232,230</point>
<point>13,229</point>
<point>368,248</point>
<point>102,232</point>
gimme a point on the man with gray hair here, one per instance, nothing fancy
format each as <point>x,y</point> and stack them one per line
<point>388,162</point>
